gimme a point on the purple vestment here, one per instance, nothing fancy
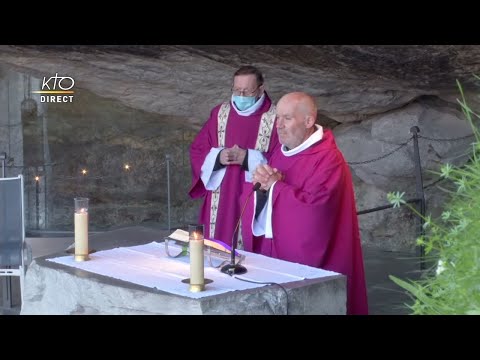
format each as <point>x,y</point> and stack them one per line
<point>314,219</point>
<point>240,130</point>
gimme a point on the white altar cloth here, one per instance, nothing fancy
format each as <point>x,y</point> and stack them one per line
<point>149,265</point>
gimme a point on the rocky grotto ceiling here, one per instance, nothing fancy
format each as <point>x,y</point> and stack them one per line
<point>351,82</point>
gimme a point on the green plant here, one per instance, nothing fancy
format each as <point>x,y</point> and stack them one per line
<point>453,240</point>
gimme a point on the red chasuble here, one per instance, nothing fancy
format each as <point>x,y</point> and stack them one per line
<point>314,220</point>
<point>220,211</point>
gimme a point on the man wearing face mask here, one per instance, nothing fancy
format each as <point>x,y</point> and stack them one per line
<point>238,136</point>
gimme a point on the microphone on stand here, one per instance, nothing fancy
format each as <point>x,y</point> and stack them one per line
<point>232,268</point>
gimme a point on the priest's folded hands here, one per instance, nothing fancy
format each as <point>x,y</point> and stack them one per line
<point>266,176</point>
<point>233,156</point>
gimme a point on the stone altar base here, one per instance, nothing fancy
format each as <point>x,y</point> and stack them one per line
<point>52,288</point>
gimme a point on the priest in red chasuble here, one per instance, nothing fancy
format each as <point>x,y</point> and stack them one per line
<point>305,210</point>
<point>238,136</point>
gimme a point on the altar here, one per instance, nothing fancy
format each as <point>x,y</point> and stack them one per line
<point>129,272</point>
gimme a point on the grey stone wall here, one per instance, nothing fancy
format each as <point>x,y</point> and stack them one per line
<point>59,140</point>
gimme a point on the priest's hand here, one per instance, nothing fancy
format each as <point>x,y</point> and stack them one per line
<point>238,155</point>
<point>266,176</point>
<point>225,157</point>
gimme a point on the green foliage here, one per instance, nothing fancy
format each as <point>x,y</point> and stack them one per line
<point>184,250</point>
<point>453,285</point>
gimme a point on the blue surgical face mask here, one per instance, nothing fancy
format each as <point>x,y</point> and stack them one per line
<point>244,102</point>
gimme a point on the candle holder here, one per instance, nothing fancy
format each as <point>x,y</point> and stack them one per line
<point>196,243</point>
<point>81,229</point>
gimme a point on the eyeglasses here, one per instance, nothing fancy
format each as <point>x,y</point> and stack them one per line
<point>238,92</point>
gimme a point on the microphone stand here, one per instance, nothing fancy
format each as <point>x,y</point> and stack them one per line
<point>232,268</point>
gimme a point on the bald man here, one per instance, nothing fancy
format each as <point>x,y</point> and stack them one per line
<point>305,211</point>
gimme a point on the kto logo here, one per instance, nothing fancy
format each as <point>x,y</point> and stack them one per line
<point>56,85</point>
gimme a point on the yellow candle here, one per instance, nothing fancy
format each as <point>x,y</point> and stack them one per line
<point>196,261</point>
<point>81,235</point>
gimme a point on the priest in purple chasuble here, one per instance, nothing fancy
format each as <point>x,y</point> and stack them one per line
<point>238,136</point>
<point>305,210</point>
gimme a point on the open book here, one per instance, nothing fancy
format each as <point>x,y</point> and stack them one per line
<point>182,235</point>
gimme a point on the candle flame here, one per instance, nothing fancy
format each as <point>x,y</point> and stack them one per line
<point>84,171</point>
<point>126,167</point>
<point>37,178</point>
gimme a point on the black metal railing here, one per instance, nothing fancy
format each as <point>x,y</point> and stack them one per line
<point>419,200</point>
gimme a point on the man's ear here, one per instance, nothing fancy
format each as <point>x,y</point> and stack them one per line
<point>262,88</point>
<point>309,121</point>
